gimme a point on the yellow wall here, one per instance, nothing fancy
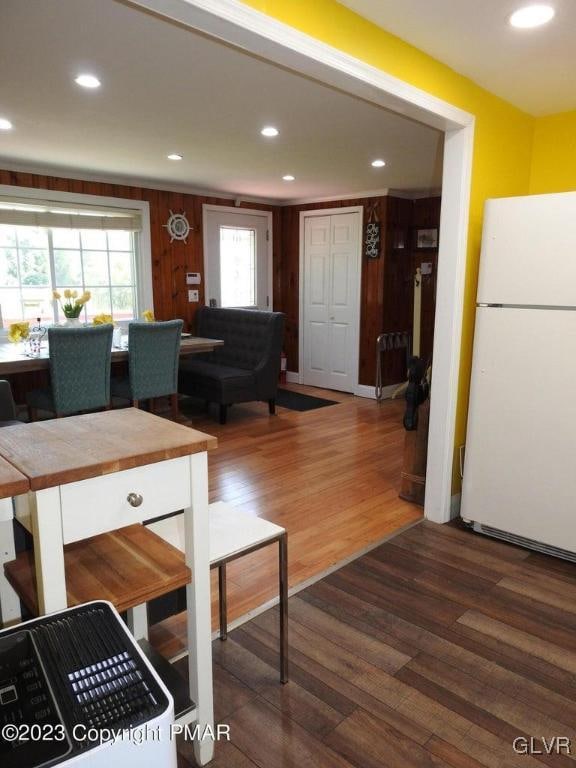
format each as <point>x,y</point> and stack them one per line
<point>503,137</point>
<point>554,154</point>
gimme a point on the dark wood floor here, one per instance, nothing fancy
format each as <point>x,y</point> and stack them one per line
<point>439,648</point>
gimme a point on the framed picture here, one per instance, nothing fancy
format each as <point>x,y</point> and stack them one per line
<point>427,238</point>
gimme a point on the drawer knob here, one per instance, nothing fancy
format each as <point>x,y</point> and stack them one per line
<point>134,499</point>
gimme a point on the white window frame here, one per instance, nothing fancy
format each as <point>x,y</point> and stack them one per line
<point>142,239</point>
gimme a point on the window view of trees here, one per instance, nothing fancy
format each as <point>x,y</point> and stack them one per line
<point>34,261</point>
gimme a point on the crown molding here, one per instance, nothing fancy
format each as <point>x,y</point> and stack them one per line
<point>127,181</point>
<point>335,198</point>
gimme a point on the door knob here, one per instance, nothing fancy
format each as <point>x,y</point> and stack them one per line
<point>134,499</point>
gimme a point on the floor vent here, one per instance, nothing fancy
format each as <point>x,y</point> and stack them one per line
<point>522,541</point>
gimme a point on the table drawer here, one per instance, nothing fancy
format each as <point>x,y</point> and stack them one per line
<point>102,504</point>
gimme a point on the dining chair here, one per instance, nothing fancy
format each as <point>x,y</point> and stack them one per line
<point>153,357</point>
<point>79,372</point>
<point>8,415</point>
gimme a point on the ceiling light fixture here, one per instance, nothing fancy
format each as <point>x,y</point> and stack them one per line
<point>87,81</point>
<point>289,177</point>
<point>5,125</point>
<point>175,156</point>
<point>378,163</point>
<point>269,131</point>
<point>532,16</point>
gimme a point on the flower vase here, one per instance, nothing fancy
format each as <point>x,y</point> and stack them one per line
<point>73,322</point>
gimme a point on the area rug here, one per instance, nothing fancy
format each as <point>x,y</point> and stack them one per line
<point>296,401</point>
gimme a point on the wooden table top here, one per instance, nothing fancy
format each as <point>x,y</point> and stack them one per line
<point>60,451</point>
<point>13,360</point>
<point>12,482</point>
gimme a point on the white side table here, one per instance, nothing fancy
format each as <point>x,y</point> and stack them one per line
<point>234,534</point>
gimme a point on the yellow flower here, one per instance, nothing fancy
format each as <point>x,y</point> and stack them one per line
<point>148,315</point>
<point>18,332</point>
<point>67,293</point>
<point>56,295</point>
<point>102,319</point>
<point>71,294</point>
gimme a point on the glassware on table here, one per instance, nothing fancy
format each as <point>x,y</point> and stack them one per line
<point>33,345</point>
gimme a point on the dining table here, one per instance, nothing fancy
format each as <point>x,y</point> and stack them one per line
<point>14,359</point>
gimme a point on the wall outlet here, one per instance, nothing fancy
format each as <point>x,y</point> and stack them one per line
<point>193,296</point>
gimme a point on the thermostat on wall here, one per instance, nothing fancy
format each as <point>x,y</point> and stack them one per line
<point>193,278</point>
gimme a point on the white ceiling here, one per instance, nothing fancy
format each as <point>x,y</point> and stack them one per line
<point>167,89</point>
<point>531,68</point>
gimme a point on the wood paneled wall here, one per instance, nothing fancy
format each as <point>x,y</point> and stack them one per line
<point>170,261</point>
<point>386,288</point>
<point>387,282</point>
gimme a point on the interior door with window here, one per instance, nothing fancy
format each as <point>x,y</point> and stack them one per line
<point>331,275</point>
<point>236,258</point>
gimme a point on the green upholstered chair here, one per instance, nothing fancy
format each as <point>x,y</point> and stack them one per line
<point>79,372</point>
<point>153,357</point>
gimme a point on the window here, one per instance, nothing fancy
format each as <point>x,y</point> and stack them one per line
<point>36,260</point>
<point>237,267</point>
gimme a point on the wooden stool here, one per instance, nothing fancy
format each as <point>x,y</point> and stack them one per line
<point>234,534</point>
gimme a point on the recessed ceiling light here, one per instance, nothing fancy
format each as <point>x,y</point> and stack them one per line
<point>175,156</point>
<point>269,130</point>
<point>289,177</point>
<point>87,81</point>
<point>5,125</point>
<point>532,16</point>
<point>378,163</point>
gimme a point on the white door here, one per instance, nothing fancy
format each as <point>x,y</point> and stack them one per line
<point>236,258</point>
<point>521,441</point>
<point>331,274</point>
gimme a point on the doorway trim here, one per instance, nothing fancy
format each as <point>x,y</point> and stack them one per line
<point>255,32</point>
<point>206,208</point>
<point>359,209</point>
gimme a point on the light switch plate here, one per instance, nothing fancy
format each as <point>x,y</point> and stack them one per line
<point>193,296</point>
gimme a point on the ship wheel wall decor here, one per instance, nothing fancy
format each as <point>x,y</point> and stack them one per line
<point>178,226</point>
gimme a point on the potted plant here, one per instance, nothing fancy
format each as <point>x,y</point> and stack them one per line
<point>73,304</point>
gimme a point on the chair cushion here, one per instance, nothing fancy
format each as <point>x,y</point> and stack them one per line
<point>217,383</point>
<point>217,372</point>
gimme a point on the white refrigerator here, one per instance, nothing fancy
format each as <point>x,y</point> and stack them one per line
<point>519,479</point>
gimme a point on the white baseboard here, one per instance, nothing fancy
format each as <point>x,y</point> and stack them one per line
<point>360,390</point>
<point>455,505</point>
<point>363,390</point>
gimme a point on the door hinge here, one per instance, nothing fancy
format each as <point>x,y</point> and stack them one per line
<point>267,301</point>
<point>267,235</point>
